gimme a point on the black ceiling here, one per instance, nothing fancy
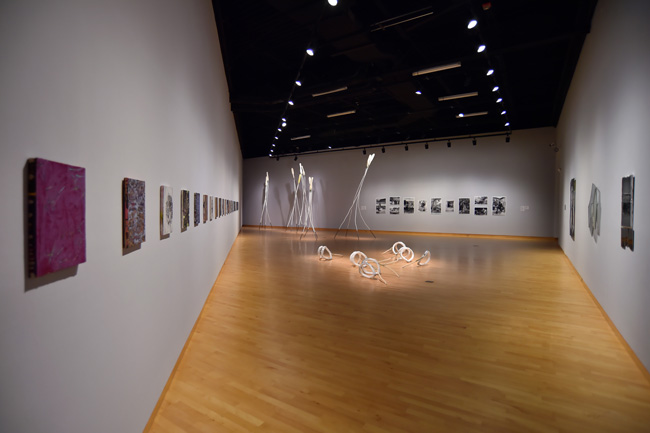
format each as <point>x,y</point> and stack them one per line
<point>372,48</point>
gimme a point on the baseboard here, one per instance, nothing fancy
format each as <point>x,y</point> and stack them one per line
<point>635,359</point>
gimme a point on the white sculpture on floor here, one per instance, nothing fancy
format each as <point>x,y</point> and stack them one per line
<point>309,215</point>
<point>355,205</point>
<point>265,207</point>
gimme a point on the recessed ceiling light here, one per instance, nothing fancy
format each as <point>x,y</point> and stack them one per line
<point>503,112</point>
<point>284,119</point>
<point>329,147</point>
<point>480,49</point>
<point>284,124</point>
<point>271,150</point>
<point>490,72</point>
<point>275,138</point>
<point>290,102</point>
<point>472,24</point>
<point>495,89</point>
<point>499,100</point>
<point>310,51</point>
<point>273,144</point>
<point>507,124</point>
<point>280,129</point>
<point>418,92</point>
<point>298,83</point>
<point>333,2</point>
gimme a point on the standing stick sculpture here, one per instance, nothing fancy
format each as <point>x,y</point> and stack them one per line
<point>302,181</point>
<point>265,207</point>
<point>309,219</point>
<point>290,222</point>
<point>355,205</point>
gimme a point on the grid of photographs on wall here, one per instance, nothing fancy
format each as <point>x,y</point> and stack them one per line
<point>407,205</point>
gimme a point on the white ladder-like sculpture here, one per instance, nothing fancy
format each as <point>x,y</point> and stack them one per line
<point>355,205</point>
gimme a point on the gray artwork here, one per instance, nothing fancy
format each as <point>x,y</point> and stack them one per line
<point>463,205</point>
<point>480,211</point>
<point>436,205</point>
<point>481,200</point>
<point>409,205</point>
<point>499,205</point>
<point>450,206</point>
<point>594,212</point>
<point>394,205</point>
<point>422,205</point>
<point>627,213</point>
<point>380,206</point>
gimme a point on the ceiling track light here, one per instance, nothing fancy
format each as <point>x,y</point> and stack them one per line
<point>418,92</point>
<point>332,2</point>
<point>473,141</point>
<point>364,151</point>
<point>500,100</point>
<point>328,92</point>
<point>448,143</point>
<point>310,52</point>
<point>436,69</point>
<point>480,48</point>
<point>406,147</point>
<point>343,113</point>
<point>298,83</point>
<point>472,24</point>
<point>490,72</point>
<point>383,149</point>
<point>478,113</point>
<point>458,96</point>
<point>302,137</point>
<point>290,102</point>
<point>495,89</point>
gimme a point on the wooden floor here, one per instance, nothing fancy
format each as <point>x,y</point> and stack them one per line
<point>494,335</point>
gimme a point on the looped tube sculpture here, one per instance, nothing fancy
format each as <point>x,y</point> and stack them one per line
<point>360,255</point>
<point>409,254</point>
<point>321,253</point>
<point>427,255</point>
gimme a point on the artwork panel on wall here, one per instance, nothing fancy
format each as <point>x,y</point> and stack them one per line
<point>450,206</point>
<point>185,209</point>
<point>197,209</point>
<point>464,205</point>
<point>380,206</point>
<point>436,205</point>
<point>211,208</point>
<point>594,212</point>
<point>133,199</point>
<point>409,205</point>
<point>627,213</point>
<point>205,208</point>
<point>481,200</point>
<point>394,205</point>
<point>572,209</point>
<point>56,216</point>
<point>422,205</point>
<point>166,210</point>
<point>480,211</point>
<point>499,205</point>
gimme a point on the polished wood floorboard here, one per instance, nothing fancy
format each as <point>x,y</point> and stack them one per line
<point>494,335</point>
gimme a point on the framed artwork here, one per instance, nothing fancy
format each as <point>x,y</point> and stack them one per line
<point>133,233</point>
<point>450,206</point>
<point>56,216</point>
<point>211,208</point>
<point>422,205</point>
<point>594,212</point>
<point>499,205</point>
<point>197,209</point>
<point>436,205</point>
<point>463,205</point>
<point>409,205</point>
<point>185,209</point>
<point>481,200</point>
<point>572,209</point>
<point>166,210</point>
<point>627,213</point>
<point>480,211</point>
<point>205,208</point>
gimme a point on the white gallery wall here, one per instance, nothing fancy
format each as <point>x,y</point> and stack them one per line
<point>124,89</point>
<point>603,135</point>
<point>523,170</point>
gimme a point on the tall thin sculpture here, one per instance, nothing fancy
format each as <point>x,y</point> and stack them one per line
<point>355,205</point>
<point>309,219</point>
<point>302,209</point>
<point>295,184</point>
<point>265,207</point>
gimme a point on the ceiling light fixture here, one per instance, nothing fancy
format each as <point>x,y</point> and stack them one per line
<point>448,143</point>
<point>275,138</point>
<point>418,92</point>
<point>499,100</point>
<point>284,124</point>
<point>290,102</point>
<point>340,89</point>
<point>472,24</point>
<point>458,96</point>
<point>480,48</point>
<point>436,69</point>
<point>490,72</point>
<point>507,124</point>
<point>478,113</point>
<point>383,149</point>
<point>332,2</point>
<point>343,113</point>
<point>495,89</point>
<point>298,83</point>
<point>272,144</point>
<point>280,129</point>
<point>503,112</point>
<point>329,147</point>
<point>302,137</point>
<point>310,51</point>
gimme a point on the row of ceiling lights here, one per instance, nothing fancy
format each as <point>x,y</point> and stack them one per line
<point>481,48</point>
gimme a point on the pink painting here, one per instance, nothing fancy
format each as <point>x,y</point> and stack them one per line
<point>56,216</point>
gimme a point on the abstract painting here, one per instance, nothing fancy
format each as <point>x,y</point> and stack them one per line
<point>205,208</point>
<point>185,209</point>
<point>499,205</point>
<point>166,210</point>
<point>572,210</point>
<point>627,213</point>
<point>380,206</point>
<point>450,206</point>
<point>463,206</point>
<point>436,205</point>
<point>133,212</point>
<point>56,216</point>
<point>197,209</point>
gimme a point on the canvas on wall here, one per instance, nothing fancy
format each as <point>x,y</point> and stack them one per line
<point>572,209</point>
<point>394,204</point>
<point>450,206</point>
<point>422,205</point>
<point>133,198</point>
<point>197,209</point>
<point>499,205</point>
<point>56,216</point>
<point>463,205</point>
<point>185,209</point>
<point>627,213</point>
<point>380,206</point>
<point>481,200</point>
<point>205,208</point>
<point>480,211</point>
<point>436,205</point>
<point>166,210</point>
